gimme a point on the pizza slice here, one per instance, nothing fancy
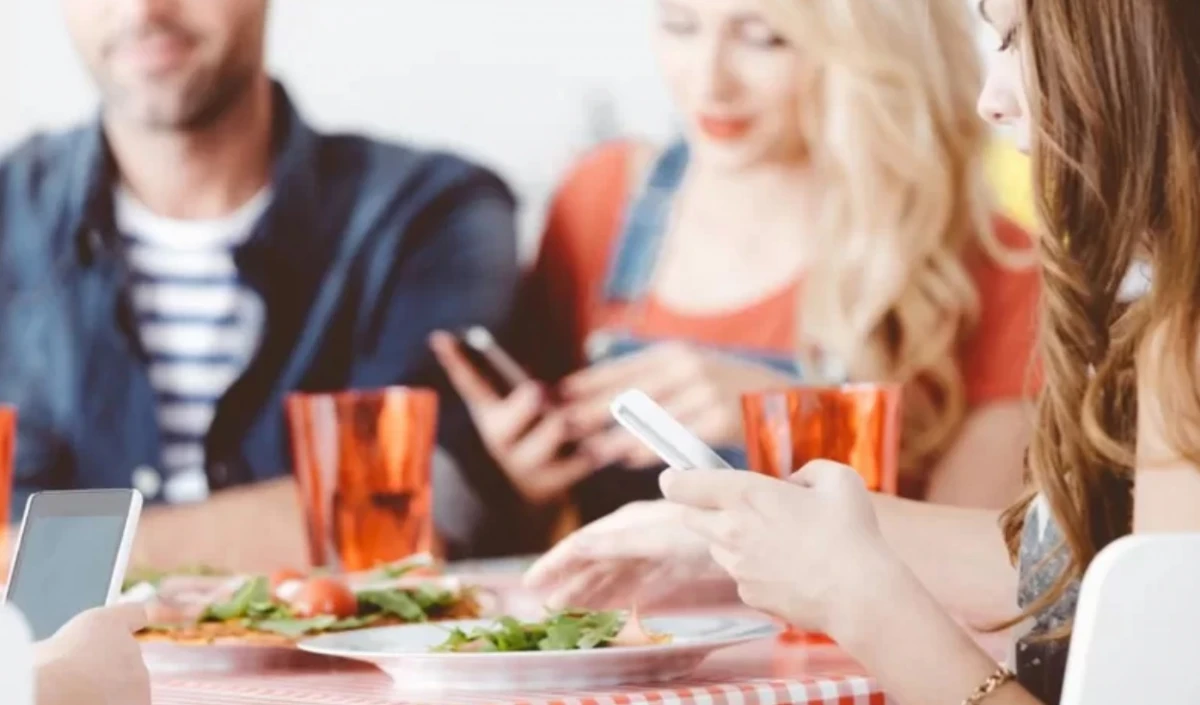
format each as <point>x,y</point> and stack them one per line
<point>259,613</point>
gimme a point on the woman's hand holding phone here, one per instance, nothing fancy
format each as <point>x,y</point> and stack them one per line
<point>699,388</point>
<point>523,431</point>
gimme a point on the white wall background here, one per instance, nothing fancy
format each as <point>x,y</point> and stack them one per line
<point>521,85</point>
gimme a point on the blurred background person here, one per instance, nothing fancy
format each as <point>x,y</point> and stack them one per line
<point>174,268</point>
<point>828,203</point>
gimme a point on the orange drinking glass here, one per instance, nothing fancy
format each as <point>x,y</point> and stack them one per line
<point>855,424</point>
<point>362,462</point>
<point>8,444</point>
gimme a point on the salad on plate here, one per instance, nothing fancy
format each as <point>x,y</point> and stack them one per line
<point>567,630</point>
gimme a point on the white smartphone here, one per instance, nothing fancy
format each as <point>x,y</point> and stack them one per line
<point>71,554</point>
<point>652,425</point>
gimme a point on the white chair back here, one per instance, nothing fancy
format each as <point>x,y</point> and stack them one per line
<point>1136,637</point>
<point>16,657</point>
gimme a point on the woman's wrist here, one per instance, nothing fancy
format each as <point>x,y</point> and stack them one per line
<point>891,624</point>
<point>874,584</point>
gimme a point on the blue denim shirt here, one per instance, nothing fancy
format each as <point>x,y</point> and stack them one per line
<point>366,248</point>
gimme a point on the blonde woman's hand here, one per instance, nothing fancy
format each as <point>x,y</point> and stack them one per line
<point>700,388</point>
<point>807,550</point>
<point>641,553</point>
<point>95,659</point>
<point>522,432</point>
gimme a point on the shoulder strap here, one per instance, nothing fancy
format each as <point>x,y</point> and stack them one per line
<point>632,264</point>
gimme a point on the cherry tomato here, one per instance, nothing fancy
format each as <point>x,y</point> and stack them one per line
<point>321,596</point>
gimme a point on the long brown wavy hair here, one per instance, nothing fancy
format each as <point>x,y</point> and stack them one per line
<point>1115,100</point>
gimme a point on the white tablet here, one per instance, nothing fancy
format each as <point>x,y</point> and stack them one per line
<point>71,554</point>
<point>652,425</point>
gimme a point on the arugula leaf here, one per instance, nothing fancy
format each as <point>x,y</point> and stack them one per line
<point>256,591</point>
<point>269,610</point>
<point>399,603</point>
<point>561,637</point>
<point>398,570</point>
<point>562,631</point>
<point>354,622</point>
<point>404,566</point>
<point>602,627</point>
<point>457,640</point>
<point>512,635</point>
<point>295,628</point>
<point>431,597</point>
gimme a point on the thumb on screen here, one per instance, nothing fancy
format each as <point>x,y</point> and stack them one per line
<point>130,616</point>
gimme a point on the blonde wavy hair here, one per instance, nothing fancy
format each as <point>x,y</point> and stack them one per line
<point>892,130</point>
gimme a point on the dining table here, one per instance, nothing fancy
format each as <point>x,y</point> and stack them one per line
<point>769,672</point>
<point>787,669</point>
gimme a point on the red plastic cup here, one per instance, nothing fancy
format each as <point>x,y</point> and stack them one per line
<point>8,444</point>
<point>362,462</point>
<point>857,424</point>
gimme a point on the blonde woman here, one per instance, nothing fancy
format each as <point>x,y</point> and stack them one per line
<point>828,202</point>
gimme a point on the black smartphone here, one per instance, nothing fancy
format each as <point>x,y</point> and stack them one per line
<point>500,369</point>
<point>492,361</point>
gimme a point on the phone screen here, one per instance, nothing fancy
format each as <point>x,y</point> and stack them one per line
<point>66,559</point>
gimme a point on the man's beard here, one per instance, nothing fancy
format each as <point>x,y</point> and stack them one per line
<point>201,102</point>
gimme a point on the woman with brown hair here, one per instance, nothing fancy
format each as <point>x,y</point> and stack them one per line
<point>1107,92</point>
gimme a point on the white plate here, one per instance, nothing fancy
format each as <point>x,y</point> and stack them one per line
<point>404,654</point>
<point>165,658</point>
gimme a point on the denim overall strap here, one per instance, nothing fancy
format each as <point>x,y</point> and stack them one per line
<point>632,265</point>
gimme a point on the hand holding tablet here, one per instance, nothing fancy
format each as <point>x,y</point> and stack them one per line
<point>71,555</point>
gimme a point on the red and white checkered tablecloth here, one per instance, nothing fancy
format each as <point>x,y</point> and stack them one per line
<point>768,672</point>
<point>374,688</point>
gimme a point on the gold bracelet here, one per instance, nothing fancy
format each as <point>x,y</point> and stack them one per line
<point>993,683</point>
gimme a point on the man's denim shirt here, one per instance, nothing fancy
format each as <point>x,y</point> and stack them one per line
<point>366,248</point>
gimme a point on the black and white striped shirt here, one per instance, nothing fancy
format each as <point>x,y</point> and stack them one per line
<point>199,325</point>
